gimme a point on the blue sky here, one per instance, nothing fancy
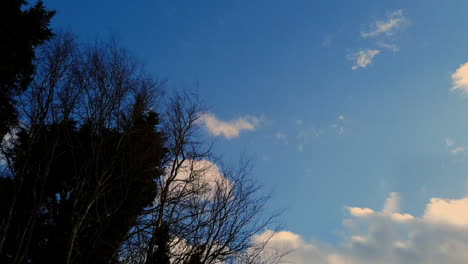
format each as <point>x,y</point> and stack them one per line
<point>326,137</point>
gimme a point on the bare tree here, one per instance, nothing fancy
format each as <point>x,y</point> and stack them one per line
<point>203,213</point>
<point>94,105</point>
<point>92,182</point>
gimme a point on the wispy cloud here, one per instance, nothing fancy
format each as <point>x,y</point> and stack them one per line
<point>363,58</point>
<point>389,46</point>
<point>449,142</point>
<point>281,137</point>
<point>229,129</point>
<point>304,135</point>
<point>460,79</point>
<point>455,150</point>
<point>439,235</point>
<point>339,126</point>
<point>327,41</point>
<point>383,32</point>
<point>389,27</point>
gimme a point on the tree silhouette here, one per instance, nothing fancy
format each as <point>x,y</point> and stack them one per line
<point>83,166</point>
<point>203,213</point>
<point>22,30</point>
<point>93,174</point>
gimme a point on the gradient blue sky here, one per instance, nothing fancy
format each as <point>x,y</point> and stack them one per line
<point>277,62</point>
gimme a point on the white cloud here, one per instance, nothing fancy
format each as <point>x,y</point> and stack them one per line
<point>389,46</point>
<point>287,241</point>
<point>289,238</point>
<point>392,204</point>
<point>201,175</point>
<point>363,58</point>
<point>382,32</point>
<point>457,150</point>
<point>357,211</point>
<point>460,79</point>
<point>229,129</point>
<point>341,117</point>
<point>445,211</point>
<point>440,235</point>
<point>395,21</point>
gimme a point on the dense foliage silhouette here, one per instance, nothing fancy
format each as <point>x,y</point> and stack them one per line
<point>98,166</point>
<point>22,29</point>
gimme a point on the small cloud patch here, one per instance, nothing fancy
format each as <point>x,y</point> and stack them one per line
<point>395,21</point>
<point>229,129</point>
<point>363,58</point>
<point>460,79</point>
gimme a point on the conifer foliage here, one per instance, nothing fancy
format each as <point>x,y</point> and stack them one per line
<point>98,166</point>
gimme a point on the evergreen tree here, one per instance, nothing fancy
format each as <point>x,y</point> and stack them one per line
<point>84,165</point>
<point>22,29</point>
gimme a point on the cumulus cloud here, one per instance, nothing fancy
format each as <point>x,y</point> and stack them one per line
<point>392,204</point>
<point>202,176</point>
<point>394,22</point>
<point>390,210</point>
<point>359,212</point>
<point>287,238</point>
<point>229,129</point>
<point>460,79</point>
<point>445,211</point>
<point>363,58</point>
<point>440,235</point>
<point>287,241</point>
